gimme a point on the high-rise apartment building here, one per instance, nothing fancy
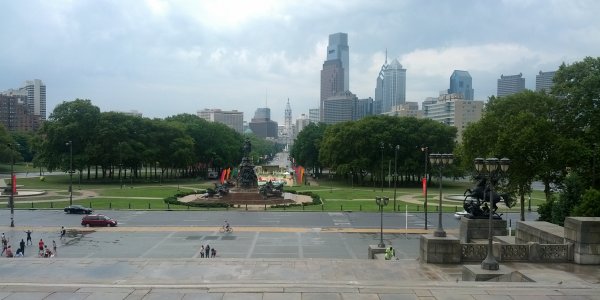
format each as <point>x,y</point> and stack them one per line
<point>262,125</point>
<point>394,86</point>
<point>301,122</point>
<point>232,118</point>
<point>27,106</point>
<point>544,81</point>
<point>510,84</point>
<point>461,83</point>
<point>335,75</point>
<point>453,110</point>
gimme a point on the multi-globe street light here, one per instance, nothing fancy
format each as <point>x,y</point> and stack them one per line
<point>381,202</point>
<point>440,160</point>
<point>395,172</point>
<point>70,144</point>
<point>491,169</point>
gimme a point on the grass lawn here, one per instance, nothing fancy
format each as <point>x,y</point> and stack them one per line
<point>149,194</point>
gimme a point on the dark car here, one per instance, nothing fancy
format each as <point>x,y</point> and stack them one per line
<point>77,209</point>
<point>98,220</point>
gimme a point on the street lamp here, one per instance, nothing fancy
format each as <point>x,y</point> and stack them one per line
<point>11,200</point>
<point>382,146</point>
<point>426,150</point>
<point>70,144</point>
<point>440,160</point>
<point>381,202</point>
<point>491,168</point>
<point>395,172</point>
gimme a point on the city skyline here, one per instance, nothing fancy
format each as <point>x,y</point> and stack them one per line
<point>164,58</point>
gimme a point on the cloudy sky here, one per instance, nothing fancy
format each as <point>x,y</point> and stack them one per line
<point>169,57</point>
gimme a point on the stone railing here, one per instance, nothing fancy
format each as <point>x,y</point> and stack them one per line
<point>532,252</point>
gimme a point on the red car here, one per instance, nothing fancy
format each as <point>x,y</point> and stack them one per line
<point>98,220</point>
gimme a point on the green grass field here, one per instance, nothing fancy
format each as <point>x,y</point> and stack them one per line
<point>149,194</point>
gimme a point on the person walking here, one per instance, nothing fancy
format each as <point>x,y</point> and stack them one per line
<point>29,237</point>
<point>4,244</point>
<point>54,246</point>
<point>63,232</point>
<point>41,247</point>
<point>9,252</point>
<point>207,251</point>
<point>22,246</point>
<point>202,251</point>
<point>213,252</point>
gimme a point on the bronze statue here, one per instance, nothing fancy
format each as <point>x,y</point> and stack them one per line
<point>271,190</point>
<point>476,201</point>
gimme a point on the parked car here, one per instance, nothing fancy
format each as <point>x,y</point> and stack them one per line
<point>98,220</point>
<point>77,209</point>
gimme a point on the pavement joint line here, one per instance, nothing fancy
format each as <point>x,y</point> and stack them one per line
<point>212,229</point>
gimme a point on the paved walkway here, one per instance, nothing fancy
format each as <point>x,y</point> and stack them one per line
<point>29,278</point>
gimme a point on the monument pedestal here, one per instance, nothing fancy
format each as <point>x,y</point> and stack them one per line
<point>374,249</point>
<point>439,250</point>
<point>479,228</point>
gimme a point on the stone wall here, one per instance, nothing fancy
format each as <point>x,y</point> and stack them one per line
<point>584,234</point>
<point>471,229</point>
<point>530,252</point>
<point>539,232</point>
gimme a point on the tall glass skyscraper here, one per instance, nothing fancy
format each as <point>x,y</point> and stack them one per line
<point>394,86</point>
<point>335,73</point>
<point>461,83</point>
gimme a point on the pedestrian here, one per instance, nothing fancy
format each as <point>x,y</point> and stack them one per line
<point>9,252</point>
<point>207,251</point>
<point>389,253</point>
<point>29,237</point>
<point>22,246</point>
<point>54,246</point>
<point>202,251</point>
<point>63,232</point>
<point>41,247</point>
<point>4,244</point>
<point>213,252</point>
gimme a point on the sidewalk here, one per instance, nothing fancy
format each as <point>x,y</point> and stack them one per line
<point>30,278</point>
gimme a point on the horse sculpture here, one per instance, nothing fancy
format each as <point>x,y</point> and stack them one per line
<point>271,190</point>
<point>476,201</point>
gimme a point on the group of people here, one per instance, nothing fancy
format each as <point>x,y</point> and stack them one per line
<point>207,252</point>
<point>43,249</point>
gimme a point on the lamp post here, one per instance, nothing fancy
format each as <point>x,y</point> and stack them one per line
<point>70,144</point>
<point>11,200</point>
<point>382,146</point>
<point>395,172</point>
<point>426,150</point>
<point>440,160</point>
<point>491,168</point>
<point>381,202</point>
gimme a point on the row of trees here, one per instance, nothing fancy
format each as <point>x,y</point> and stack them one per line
<point>546,136</point>
<point>108,143</point>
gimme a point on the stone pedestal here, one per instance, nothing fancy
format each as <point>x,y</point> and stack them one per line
<point>504,274</point>
<point>584,233</point>
<point>478,228</point>
<point>439,250</point>
<point>374,249</point>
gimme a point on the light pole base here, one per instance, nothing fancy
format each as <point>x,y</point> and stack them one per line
<point>381,245</point>
<point>12,222</point>
<point>439,233</point>
<point>490,264</point>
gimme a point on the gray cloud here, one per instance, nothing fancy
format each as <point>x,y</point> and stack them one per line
<point>164,58</point>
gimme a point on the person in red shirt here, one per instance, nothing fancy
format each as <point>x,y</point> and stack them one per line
<point>41,246</point>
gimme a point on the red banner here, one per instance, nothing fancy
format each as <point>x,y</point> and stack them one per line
<point>424,181</point>
<point>14,184</point>
<point>223,173</point>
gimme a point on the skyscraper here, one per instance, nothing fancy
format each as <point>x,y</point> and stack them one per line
<point>510,84</point>
<point>262,125</point>
<point>335,73</point>
<point>461,83</point>
<point>377,103</point>
<point>394,86</point>
<point>233,119</point>
<point>543,81</point>
<point>35,91</point>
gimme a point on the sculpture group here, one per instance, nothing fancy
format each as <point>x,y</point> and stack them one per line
<point>477,200</point>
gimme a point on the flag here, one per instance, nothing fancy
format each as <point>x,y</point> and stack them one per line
<point>223,173</point>
<point>228,173</point>
<point>424,185</point>
<point>14,184</point>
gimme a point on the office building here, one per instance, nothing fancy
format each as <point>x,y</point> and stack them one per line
<point>15,114</point>
<point>232,118</point>
<point>314,115</point>
<point>262,125</point>
<point>407,109</point>
<point>301,122</point>
<point>544,81</point>
<point>378,101</point>
<point>394,86</point>
<point>364,107</point>
<point>510,84</point>
<point>453,110</point>
<point>461,83</point>
<point>335,75</point>
<point>340,108</point>
<point>35,91</point>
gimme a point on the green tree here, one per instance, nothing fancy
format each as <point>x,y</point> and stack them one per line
<point>556,210</point>
<point>589,205</point>
<point>306,147</point>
